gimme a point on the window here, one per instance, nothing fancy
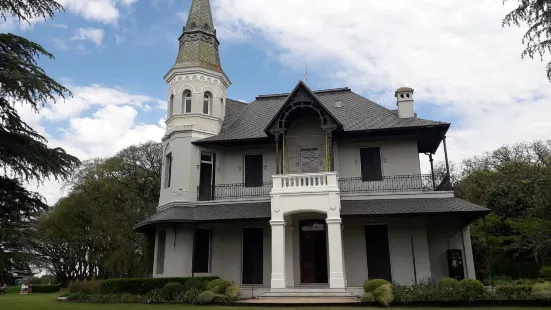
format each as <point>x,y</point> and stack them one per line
<point>171,106</point>
<point>168,170</point>
<point>161,241</point>
<point>187,101</point>
<point>253,256</point>
<point>206,104</point>
<point>201,251</point>
<point>253,170</point>
<point>371,164</point>
<point>310,160</point>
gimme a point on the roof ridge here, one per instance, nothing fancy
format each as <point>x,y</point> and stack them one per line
<point>319,91</point>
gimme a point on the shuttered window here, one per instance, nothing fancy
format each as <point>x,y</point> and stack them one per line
<point>253,170</point>
<point>201,252</point>
<point>371,164</point>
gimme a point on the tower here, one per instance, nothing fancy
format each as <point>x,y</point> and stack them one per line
<point>196,104</point>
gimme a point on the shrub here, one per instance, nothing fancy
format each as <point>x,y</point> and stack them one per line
<point>546,286</point>
<point>545,272</point>
<point>86,286</point>
<point>143,286</point>
<point>368,298</point>
<point>45,288</point>
<point>205,297</point>
<point>371,285</point>
<point>471,289</point>
<point>155,295</point>
<point>542,295</point>
<point>171,289</point>
<point>78,296</point>
<point>518,292</point>
<point>75,286</point>
<point>232,292</point>
<point>448,283</point>
<point>187,296</point>
<point>383,294</point>
<point>218,286</point>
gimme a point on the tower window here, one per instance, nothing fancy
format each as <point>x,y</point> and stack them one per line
<point>187,101</point>
<point>168,170</point>
<point>206,104</point>
<point>170,106</point>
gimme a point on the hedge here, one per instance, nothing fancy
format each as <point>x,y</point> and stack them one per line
<point>45,288</point>
<point>143,286</point>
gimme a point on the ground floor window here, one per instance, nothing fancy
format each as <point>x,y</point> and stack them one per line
<point>201,251</point>
<point>161,241</point>
<point>253,256</point>
<point>378,252</point>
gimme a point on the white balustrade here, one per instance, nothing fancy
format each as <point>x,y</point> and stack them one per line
<point>305,182</point>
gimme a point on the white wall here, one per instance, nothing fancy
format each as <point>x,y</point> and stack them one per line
<point>178,251</point>
<point>399,157</point>
<point>445,233</point>
<point>401,257</point>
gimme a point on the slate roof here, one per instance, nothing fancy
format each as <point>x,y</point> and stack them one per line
<point>261,210</point>
<point>356,114</point>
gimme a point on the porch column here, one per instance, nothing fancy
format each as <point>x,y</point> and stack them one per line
<point>289,274</point>
<point>336,263</point>
<point>468,253</point>
<point>278,254</point>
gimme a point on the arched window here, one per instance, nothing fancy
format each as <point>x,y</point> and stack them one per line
<point>207,104</point>
<point>171,106</point>
<point>187,102</point>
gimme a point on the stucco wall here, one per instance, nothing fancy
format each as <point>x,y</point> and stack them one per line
<point>445,233</point>
<point>399,157</point>
<point>177,251</point>
<point>401,257</point>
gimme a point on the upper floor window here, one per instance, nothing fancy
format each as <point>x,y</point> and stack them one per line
<point>171,106</point>
<point>207,104</point>
<point>187,101</point>
<point>371,164</point>
<point>168,170</point>
<point>253,170</point>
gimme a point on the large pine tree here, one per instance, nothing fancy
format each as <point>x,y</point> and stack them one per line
<point>24,154</point>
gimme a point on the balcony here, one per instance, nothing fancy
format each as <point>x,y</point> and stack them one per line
<point>233,191</point>
<point>312,182</point>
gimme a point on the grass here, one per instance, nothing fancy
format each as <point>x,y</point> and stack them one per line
<point>13,301</point>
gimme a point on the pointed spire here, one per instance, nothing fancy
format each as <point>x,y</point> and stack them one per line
<point>198,43</point>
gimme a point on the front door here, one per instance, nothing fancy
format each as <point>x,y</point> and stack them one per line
<point>206,177</point>
<point>313,252</point>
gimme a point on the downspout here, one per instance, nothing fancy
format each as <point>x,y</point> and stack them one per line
<point>412,250</point>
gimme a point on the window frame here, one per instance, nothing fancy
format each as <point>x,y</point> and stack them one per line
<point>168,169</point>
<point>207,100</point>
<point>185,96</point>
<point>261,183</point>
<point>364,179</point>
<point>209,255</point>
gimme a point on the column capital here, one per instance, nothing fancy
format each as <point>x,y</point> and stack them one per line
<point>333,221</point>
<point>277,223</point>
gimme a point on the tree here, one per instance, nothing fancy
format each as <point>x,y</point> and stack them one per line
<point>514,182</point>
<point>24,154</point>
<point>536,14</point>
<point>89,233</point>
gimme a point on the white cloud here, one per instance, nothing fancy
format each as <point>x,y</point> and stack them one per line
<point>95,35</point>
<point>460,61</point>
<point>112,126</point>
<point>104,11</point>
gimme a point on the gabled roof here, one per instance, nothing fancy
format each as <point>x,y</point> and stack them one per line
<point>357,114</point>
<point>300,86</point>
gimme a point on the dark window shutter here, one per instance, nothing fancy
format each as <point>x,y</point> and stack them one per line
<point>161,252</point>
<point>253,256</point>
<point>371,164</point>
<point>253,170</point>
<point>201,253</point>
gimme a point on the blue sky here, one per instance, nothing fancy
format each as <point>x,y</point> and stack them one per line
<point>464,67</point>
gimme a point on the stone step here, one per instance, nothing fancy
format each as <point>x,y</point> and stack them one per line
<point>307,292</point>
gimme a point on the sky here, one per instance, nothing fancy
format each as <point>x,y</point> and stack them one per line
<point>465,68</point>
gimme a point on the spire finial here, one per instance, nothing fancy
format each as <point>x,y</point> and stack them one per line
<point>306,76</point>
<point>198,43</point>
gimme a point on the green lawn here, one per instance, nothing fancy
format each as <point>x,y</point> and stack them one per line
<point>48,302</point>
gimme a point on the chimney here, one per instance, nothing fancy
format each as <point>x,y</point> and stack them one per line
<point>404,98</point>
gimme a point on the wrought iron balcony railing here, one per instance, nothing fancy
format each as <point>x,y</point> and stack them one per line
<point>233,191</point>
<point>395,183</point>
